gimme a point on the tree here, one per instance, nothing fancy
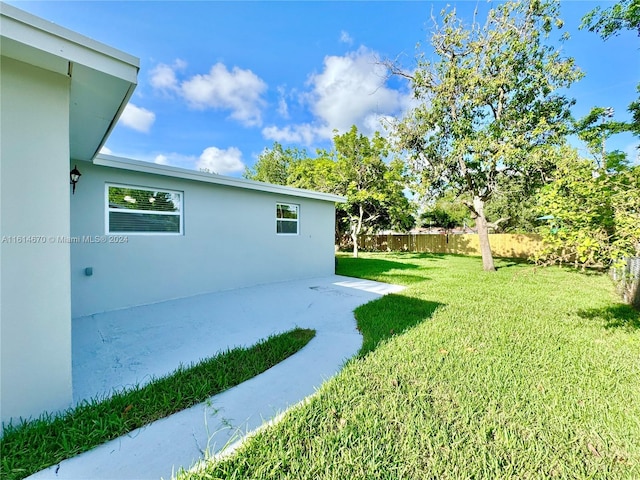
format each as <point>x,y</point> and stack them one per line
<point>373,188</point>
<point>356,169</point>
<point>594,129</point>
<point>595,203</point>
<point>446,212</point>
<point>273,164</point>
<point>318,174</point>
<point>488,109</point>
<point>624,15</point>
<point>513,202</point>
<point>438,217</point>
<point>594,216</point>
<point>314,174</point>
<point>608,22</point>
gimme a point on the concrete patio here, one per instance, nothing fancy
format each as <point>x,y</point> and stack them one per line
<point>127,347</point>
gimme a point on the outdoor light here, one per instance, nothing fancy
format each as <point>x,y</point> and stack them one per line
<point>75,176</point>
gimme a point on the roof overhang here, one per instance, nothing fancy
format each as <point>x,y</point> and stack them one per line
<point>183,173</point>
<point>102,78</point>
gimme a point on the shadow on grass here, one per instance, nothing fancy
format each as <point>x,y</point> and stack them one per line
<point>422,255</point>
<point>510,262</point>
<point>388,316</point>
<point>381,269</point>
<point>616,316</point>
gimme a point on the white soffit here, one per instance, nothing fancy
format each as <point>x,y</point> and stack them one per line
<point>183,173</point>
<point>102,78</point>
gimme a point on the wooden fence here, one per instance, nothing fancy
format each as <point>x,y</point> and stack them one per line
<point>502,244</point>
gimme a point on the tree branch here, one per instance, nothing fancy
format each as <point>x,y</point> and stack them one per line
<point>495,224</point>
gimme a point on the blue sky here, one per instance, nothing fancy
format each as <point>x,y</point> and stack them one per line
<point>221,81</point>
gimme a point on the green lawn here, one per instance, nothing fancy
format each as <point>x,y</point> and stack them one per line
<point>525,373</point>
<point>32,446</point>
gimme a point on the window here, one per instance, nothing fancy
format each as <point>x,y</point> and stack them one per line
<point>138,210</point>
<point>286,219</point>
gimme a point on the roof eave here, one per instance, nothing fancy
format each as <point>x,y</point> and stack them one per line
<point>183,173</point>
<point>102,78</point>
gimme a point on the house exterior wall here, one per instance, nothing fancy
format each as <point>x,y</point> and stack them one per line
<point>229,241</point>
<point>35,312</point>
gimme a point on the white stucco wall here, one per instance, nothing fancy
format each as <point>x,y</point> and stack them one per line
<point>229,241</point>
<point>35,312</point>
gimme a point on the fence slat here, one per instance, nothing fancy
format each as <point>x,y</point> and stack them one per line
<point>507,245</point>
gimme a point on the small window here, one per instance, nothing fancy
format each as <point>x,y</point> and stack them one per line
<point>286,219</point>
<point>138,210</point>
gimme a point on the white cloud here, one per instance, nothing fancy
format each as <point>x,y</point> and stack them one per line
<point>212,159</point>
<point>350,90</point>
<point>161,160</point>
<point>222,162</point>
<point>106,151</point>
<point>346,38</point>
<point>179,64</point>
<point>304,133</point>
<point>163,76</point>
<point>283,108</point>
<point>237,90</point>
<point>137,118</point>
<point>377,122</point>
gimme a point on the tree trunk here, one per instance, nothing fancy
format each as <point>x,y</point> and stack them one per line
<point>354,239</point>
<point>355,230</point>
<point>483,235</point>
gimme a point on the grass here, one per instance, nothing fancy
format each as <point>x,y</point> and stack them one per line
<point>34,445</point>
<point>525,373</point>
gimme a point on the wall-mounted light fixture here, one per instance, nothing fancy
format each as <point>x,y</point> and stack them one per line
<point>75,176</point>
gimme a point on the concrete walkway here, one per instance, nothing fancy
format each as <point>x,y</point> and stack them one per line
<point>127,347</point>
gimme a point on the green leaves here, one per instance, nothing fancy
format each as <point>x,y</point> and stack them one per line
<point>490,111</point>
<point>358,168</point>
<point>373,187</point>
<point>595,129</point>
<point>606,23</point>
<point>624,15</point>
<point>489,100</point>
<point>273,164</point>
<point>596,215</point>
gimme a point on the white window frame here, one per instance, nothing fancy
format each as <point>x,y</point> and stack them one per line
<point>108,209</point>
<point>291,220</point>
